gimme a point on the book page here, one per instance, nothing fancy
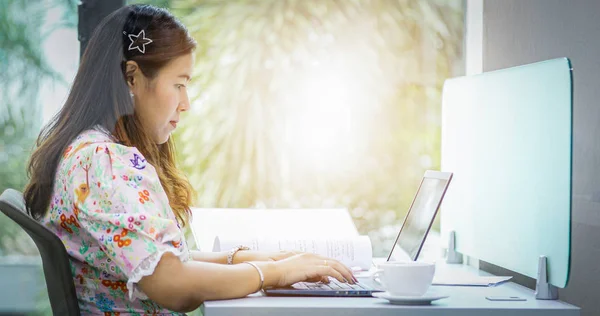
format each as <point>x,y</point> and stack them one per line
<point>207,223</point>
<point>354,252</point>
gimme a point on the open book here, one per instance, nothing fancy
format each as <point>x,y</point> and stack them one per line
<point>354,252</point>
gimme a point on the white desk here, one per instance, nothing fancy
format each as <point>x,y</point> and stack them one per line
<point>462,301</point>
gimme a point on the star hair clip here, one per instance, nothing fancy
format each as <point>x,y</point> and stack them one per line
<point>139,41</point>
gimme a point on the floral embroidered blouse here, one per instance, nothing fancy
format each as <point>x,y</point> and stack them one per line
<point>113,216</point>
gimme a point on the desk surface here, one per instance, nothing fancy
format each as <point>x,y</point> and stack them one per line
<point>462,301</point>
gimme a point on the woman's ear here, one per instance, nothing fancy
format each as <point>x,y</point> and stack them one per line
<point>131,71</point>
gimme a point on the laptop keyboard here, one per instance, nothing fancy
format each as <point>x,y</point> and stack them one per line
<point>334,285</point>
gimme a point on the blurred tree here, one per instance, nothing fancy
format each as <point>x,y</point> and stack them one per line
<point>22,70</point>
<point>318,103</point>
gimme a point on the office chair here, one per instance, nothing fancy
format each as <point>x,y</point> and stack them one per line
<point>55,260</point>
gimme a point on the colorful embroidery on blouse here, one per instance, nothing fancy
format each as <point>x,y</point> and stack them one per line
<point>113,216</point>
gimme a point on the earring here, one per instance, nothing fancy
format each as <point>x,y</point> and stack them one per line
<point>131,94</point>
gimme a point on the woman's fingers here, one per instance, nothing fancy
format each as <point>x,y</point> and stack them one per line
<point>314,268</point>
<point>329,271</point>
<point>323,279</point>
<point>345,272</point>
<point>341,268</point>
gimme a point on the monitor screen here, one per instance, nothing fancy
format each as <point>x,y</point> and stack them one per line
<point>418,220</point>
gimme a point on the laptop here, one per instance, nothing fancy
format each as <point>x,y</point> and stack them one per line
<point>408,245</point>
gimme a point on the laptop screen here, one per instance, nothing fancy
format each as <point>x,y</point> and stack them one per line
<point>419,219</point>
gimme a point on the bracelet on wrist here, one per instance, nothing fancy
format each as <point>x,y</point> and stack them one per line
<point>233,251</point>
<point>261,275</point>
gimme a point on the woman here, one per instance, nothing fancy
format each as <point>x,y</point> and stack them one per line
<point>103,178</point>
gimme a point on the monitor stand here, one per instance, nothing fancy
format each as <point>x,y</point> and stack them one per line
<point>543,289</point>
<point>452,256</point>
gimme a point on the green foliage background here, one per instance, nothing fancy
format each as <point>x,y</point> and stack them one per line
<point>254,65</point>
<point>22,70</point>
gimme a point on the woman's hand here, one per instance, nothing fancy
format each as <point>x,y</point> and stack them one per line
<point>312,268</point>
<point>276,256</point>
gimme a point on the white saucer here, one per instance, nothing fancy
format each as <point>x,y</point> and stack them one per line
<point>410,300</point>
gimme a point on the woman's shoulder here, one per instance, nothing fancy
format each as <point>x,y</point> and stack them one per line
<point>99,150</point>
<point>98,140</point>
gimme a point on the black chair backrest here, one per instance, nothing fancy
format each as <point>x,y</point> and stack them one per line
<point>55,260</point>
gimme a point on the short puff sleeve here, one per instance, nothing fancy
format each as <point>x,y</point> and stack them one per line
<point>126,210</point>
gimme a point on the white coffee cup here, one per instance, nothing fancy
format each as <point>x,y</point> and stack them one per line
<point>405,278</point>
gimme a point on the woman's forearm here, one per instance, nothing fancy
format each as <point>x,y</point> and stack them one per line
<point>221,257</point>
<point>212,257</point>
<point>217,282</point>
<point>183,286</point>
